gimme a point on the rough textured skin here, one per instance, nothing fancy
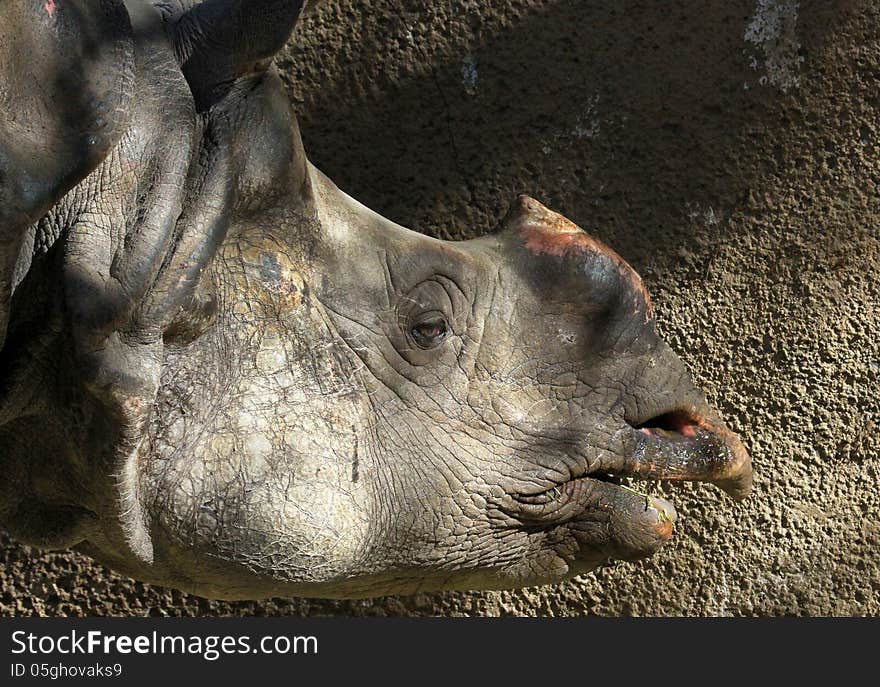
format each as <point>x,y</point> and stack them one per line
<point>809,545</point>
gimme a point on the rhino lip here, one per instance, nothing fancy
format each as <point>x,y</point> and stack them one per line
<point>678,445</point>
<point>685,444</point>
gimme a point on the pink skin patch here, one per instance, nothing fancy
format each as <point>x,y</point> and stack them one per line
<point>540,240</point>
<point>687,428</point>
<point>50,7</point>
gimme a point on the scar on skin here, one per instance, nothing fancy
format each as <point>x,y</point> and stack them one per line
<point>50,7</point>
<point>274,276</point>
<point>549,233</point>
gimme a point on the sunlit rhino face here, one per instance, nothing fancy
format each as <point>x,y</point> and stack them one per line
<point>382,411</point>
<point>285,393</point>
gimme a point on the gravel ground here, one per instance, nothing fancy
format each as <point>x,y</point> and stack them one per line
<point>731,152</point>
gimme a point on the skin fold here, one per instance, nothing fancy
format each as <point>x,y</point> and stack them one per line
<point>221,373</point>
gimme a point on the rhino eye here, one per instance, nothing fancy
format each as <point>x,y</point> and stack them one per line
<point>430,331</point>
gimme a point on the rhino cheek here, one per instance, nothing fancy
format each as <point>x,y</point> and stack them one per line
<point>255,455</point>
<point>241,508</point>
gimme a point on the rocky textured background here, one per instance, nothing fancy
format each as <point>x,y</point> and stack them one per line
<point>731,152</point>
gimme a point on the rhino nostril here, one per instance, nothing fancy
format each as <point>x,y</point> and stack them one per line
<point>681,421</point>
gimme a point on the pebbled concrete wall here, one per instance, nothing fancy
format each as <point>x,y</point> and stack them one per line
<point>731,152</point>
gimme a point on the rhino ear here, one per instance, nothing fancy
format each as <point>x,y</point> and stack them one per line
<point>221,41</point>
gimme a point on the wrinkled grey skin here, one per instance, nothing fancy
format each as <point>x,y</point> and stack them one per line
<point>221,373</point>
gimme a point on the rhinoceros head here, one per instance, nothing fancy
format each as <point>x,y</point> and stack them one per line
<point>223,374</point>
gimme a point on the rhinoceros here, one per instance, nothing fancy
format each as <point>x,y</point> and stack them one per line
<point>223,374</point>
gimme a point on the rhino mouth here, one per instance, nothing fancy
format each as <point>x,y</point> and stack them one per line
<point>685,444</point>
<point>679,445</point>
<point>604,506</point>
